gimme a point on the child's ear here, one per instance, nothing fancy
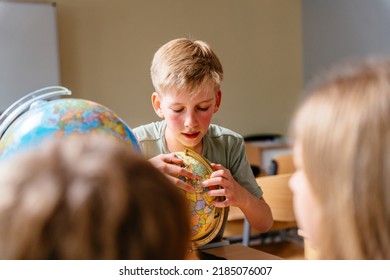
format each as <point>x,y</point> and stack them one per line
<point>218,101</point>
<point>156,102</point>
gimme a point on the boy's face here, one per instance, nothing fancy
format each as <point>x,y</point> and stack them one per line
<point>188,117</point>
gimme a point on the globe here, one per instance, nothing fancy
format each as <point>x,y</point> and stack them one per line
<point>62,118</point>
<point>206,220</point>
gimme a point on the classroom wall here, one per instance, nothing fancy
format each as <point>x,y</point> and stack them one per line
<point>106,47</point>
<point>357,28</point>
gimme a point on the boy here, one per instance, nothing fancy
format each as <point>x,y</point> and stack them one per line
<point>187,75</point>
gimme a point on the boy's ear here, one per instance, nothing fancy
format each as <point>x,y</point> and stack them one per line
<point>156,102</point>
<point>218,101</point>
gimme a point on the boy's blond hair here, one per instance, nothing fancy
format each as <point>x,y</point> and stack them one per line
<point>186,65</point>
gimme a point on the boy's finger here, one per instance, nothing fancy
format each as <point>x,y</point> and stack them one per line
<point>176,170</point>
<point>183,172</point>
<point>171,158</point>
<point>183,185</point>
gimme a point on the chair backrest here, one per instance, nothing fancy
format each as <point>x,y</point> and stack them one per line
<point>282,164</point>
<point>278,195</point>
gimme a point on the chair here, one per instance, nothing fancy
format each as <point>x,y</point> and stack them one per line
<point>278,195</point>
<point>282,164</point>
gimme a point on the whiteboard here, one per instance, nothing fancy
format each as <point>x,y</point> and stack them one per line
<point>29,58</point>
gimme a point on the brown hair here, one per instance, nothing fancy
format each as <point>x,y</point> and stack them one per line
<point>89,198</point>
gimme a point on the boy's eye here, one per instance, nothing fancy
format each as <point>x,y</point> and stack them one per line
<point>203,108</point>
<point>177,110</point>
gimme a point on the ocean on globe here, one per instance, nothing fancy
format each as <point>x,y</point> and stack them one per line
<point>61,118</point>
<point>206,219</point>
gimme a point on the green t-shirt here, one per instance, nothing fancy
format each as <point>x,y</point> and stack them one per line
<point>220,145</point>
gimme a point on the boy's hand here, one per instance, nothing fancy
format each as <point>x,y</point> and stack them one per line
<point>169,164</point>
<point>231,190</point>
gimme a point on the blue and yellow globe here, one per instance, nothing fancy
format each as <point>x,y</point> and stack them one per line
<point>62,118</point>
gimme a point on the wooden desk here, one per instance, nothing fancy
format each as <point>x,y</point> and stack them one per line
<point>240,252</point>
<point>260,153</point>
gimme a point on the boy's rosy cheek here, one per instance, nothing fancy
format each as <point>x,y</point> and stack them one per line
<point>173,117</point>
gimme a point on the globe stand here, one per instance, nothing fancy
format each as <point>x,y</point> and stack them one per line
<point>23,104</point>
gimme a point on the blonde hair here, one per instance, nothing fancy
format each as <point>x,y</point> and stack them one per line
<point>344,129</point>
<point>186,65</point>
<point>89,198</point>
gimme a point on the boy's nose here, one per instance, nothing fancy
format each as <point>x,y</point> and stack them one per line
<point>190,120</point>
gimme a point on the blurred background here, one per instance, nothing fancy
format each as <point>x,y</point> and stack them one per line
<point>269,50</point>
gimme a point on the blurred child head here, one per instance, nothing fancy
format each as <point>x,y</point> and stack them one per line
<point>341,151</point>
<point>89,198</point>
